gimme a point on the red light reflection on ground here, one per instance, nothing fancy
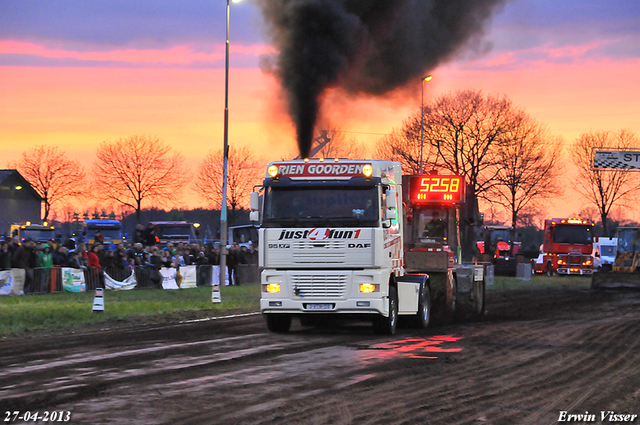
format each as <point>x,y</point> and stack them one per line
<point>416,347</point>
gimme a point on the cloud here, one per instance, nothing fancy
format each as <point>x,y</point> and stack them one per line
<point>155,23</point>
<point>13,52</point>
<point>534,56</point>
<point>527,24</point>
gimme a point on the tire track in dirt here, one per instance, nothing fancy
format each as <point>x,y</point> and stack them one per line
<point>539,352</point>
<point>554,369</point>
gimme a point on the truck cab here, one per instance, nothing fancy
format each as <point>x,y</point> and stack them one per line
<point>604,252</point>
<point>40,233</point>
<point>568,246</point>
<point>108,232</point>
<point>175,232</point>
<point>331,243</point>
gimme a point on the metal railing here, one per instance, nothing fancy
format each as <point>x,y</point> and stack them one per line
<point>45,280</point>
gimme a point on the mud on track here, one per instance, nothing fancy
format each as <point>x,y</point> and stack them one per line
<point>535,353</point>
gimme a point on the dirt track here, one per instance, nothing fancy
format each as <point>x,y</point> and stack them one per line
<point>536,353</point>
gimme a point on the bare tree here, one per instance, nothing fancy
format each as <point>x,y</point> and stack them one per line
<point>136,169</point>
<point>527,167</point>
<point>244,171</point>
<point>51,174</point>
<point>463,132</point>
<point>467,129</point>
<point>403,145</point>
<point>604,188</point>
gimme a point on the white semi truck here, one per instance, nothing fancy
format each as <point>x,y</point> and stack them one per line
<point>332,243</point>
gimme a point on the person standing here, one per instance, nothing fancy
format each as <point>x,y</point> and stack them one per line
<point>23,260</point>
<point>5,256</point>
<point>95,271</point>
<point>60,256</point>
<point>233,264</point>
<point>150,235</point>
<point>45,264</point>
<point>138,236</point>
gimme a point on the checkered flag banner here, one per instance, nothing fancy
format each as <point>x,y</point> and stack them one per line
<point>615,159</point>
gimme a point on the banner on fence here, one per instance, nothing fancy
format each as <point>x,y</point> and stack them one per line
<point>12,282</point>
<point>169,278</point>
<point>189,276</point>
<point>128,283</point>
<point>215,278</point>
<point>73,280</point>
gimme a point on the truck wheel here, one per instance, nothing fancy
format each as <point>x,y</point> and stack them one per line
<point>424,308</point>
<point>387,325</point>
<point>443,301</point>
<point>280,323</point>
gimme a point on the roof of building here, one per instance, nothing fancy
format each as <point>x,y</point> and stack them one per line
<point>13,177</point>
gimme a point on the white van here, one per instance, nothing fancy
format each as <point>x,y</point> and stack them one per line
<point>604,252</point>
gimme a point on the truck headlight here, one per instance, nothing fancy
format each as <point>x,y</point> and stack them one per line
<point>368,288</point>
<point>272,288</point>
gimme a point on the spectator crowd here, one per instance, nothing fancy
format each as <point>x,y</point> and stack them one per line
<point>143,252</point>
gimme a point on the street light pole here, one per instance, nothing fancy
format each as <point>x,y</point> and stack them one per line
<point>427,78</point>
<point>223,207</point>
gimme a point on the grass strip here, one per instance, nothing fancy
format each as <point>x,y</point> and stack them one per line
<point>65,312</point>
<point>34,315</point>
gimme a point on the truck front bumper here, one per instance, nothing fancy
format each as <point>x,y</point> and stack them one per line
<point>575,271</point>
<point>324,291</point>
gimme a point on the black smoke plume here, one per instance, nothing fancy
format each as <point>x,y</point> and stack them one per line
<point>363,46</point>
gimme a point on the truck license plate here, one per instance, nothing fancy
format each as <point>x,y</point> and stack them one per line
<point>319,306</point>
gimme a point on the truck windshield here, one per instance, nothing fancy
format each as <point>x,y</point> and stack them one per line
<point>430,224</point>
<point>108,233</point>
<point>629,240</point>
<point>500,234</point>
<point>244,234</point>
<point>573,234</point>
<point>321,206</point>
<point>164,231</point>
<point>37,234</point>
<point>608,250</point>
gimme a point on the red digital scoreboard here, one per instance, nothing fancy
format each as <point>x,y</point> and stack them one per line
<point>436,188</point>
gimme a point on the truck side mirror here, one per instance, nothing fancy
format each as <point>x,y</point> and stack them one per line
<point>255,202</point>
<point>390,214</point>
<point>254,216</point>
<point>391,199</point>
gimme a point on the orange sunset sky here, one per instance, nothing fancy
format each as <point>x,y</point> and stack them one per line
<point>94,73</point>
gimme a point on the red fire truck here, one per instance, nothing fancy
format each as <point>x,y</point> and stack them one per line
<point>567,247</point>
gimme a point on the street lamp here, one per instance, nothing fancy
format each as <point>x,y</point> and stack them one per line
<point>427,78</point>
<point>223,207</point>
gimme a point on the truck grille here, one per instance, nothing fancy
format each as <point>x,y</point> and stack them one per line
<point>320,252</point>
<point>333,286</point>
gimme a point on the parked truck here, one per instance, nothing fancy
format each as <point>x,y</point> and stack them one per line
<point>332,242</point>
<point>40,233</point>
<point>105,231</point>
<point>604,253</point>
<point>567,246</point>
<point>497,248</point>
<point>176,232</point>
